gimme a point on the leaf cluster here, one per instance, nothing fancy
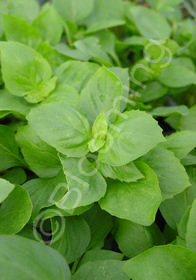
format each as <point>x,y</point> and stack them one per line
<point>97,140</point>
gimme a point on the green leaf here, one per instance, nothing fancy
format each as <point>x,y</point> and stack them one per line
<point>191,228</point>
<point>64,94</point>
<point>123,75</point>
<point>176,76</point>
<point>90,46</point>
<point>173,209</point>
<point>25,9</point>
<point>181,110</point>
<point>132,135</point>
<point>15,176</point>
<point>15,211</point>
<point>181,143</point>
<point>71,53</point>
<point>100,126</point>
<point>184,61</point>
<point>189,122</point>
<point>17,260</point>
<point>99,131</point>
<point>49,25</point>
<point>146,20</point>
<point>62,127</point>
<point>100,255</point>
<point>190,159</point>
<point>41,158</point>
<point>99,270</point>
<point>102,92</point>
<point>72,240</point>
<point>126,173</point>
<point>176,263</point>
<point>71,29</point>
<point>107,41</point>
<point>172,176</point>
<point>20,30</point>
<point>131,41</point>
<point>85,184</point>
<point>182,225</point>
<point>103,16</point>
<point>54,57</point>
<point>100,224</point>
<point>33,79</point>
<point>45,192</point>
<point>76,73</point>
<point>9,151</point>
<point>152,91</point>
<point>161,5</point>
<point>133,239</point>
<point>135,201</point>
<point>13,104</point>
<point>75,10</point>
<point>5,189</point>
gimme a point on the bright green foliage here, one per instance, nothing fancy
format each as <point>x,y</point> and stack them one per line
<point>134,239</point>
<point>71,130</point>
<point>108,270</point>
<point>9,151</point>
<point>50,26</point>
<point>99,132</point>
<point>85,183</point>
<point>135,201</point>
<point>100,255</point>
<point>102,92</point>
<point>41,157</point>
<point>42,192</point>
<point>146,20</point>
<point>6,188</point>
<point>126,173</point>
<point>26,72</point>
<point>20,30</point>
<point>170,76</point>
<point>20,253</point>
<point>13,104</point>
<point>75,10</point>
<point>178,262</point>
<point>175,180</point>
<point>15,210</point>
<point>132,135</point>
<point>103,16</point>
<point>74,239</point>
<point>97,140</point>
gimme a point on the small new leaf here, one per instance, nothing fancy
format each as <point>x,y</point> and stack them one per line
<point>99,131</point>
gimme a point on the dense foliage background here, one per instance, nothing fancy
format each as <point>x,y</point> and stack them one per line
<point>97,140</point>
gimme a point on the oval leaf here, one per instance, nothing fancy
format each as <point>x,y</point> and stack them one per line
<point>132,135</point>
<point>176,76</point>
<point>33,79</point>
<point>102,92</point>
<point>163,263</point>
<point>135,201</point>
<point>15,211</point>
<point>151,24</point>
<point>62,127</point>
<point>17,260</point>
